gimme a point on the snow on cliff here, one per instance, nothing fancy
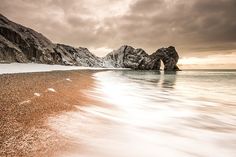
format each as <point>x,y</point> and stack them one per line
<point>32,67</point>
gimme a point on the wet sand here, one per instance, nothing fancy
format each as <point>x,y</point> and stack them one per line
<point>28,99</point>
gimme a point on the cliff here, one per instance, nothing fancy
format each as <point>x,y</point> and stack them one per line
<point>22,44</point>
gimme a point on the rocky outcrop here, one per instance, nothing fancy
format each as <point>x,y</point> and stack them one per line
<point>22,44</point>
<point>128,57</point>
<point>169,57</point>
<point>78,56</point>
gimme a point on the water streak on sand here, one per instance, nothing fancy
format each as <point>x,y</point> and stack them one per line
<point>37,94</point>
<point>25,102</point>
<point>52,90</point>
<point>68,79</point>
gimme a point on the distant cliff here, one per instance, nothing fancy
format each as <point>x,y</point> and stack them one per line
<point>22,44</point>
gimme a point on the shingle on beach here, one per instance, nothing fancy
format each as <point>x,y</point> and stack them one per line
<point>28,99</point>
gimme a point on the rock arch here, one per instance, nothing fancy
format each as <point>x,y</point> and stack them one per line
<point>169,57</point>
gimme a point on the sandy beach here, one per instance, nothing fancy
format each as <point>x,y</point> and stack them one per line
<point>107,113</point>
<point>27,100</point>
<point>127,78</point>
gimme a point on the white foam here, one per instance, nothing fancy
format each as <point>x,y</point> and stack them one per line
<point>37,94</point>
<point>51,90</point>
<point>25,102</point>
<point>68,79</point>
<point>33,67</point>
<point>167,117</point>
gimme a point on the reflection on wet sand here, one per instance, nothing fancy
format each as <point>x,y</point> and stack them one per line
<point>154,114</point>
<point>169,79</point>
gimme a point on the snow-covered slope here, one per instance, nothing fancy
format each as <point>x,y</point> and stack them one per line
<point>33,67</point>
<point>78,56</point>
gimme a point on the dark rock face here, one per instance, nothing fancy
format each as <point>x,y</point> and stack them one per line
<point>128,57</point>
<point>125,57</point>
<point>29,44</point>
<point>15,53</point>
<point>169,57</point>
<point>22,44</point>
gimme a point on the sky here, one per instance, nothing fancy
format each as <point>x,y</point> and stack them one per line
<point>203,31</point>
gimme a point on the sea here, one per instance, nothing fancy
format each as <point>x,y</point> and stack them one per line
<point>189,113</point>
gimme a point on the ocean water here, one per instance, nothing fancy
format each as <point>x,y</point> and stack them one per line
<point>147,113</point>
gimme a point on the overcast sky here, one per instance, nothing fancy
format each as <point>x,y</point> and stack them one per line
<point>195,27</point>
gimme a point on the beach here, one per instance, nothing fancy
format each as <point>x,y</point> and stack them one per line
<point>118,113</point>
<point>127,78</point>
<point>28,99</point>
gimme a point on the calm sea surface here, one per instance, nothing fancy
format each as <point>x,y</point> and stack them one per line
<point>155,114</point>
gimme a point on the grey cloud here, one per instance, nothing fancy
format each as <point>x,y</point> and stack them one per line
<point>194,26</point>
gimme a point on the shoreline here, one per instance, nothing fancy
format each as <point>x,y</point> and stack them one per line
<point>95,113</point>
<point>28,99</point>
<point>16,68</point>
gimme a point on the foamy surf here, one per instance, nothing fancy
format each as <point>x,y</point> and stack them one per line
<point>151,114</point>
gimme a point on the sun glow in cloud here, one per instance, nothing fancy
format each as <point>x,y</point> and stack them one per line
<point>107,8</point>
<point>211,61</point>
<point>101,51</point>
